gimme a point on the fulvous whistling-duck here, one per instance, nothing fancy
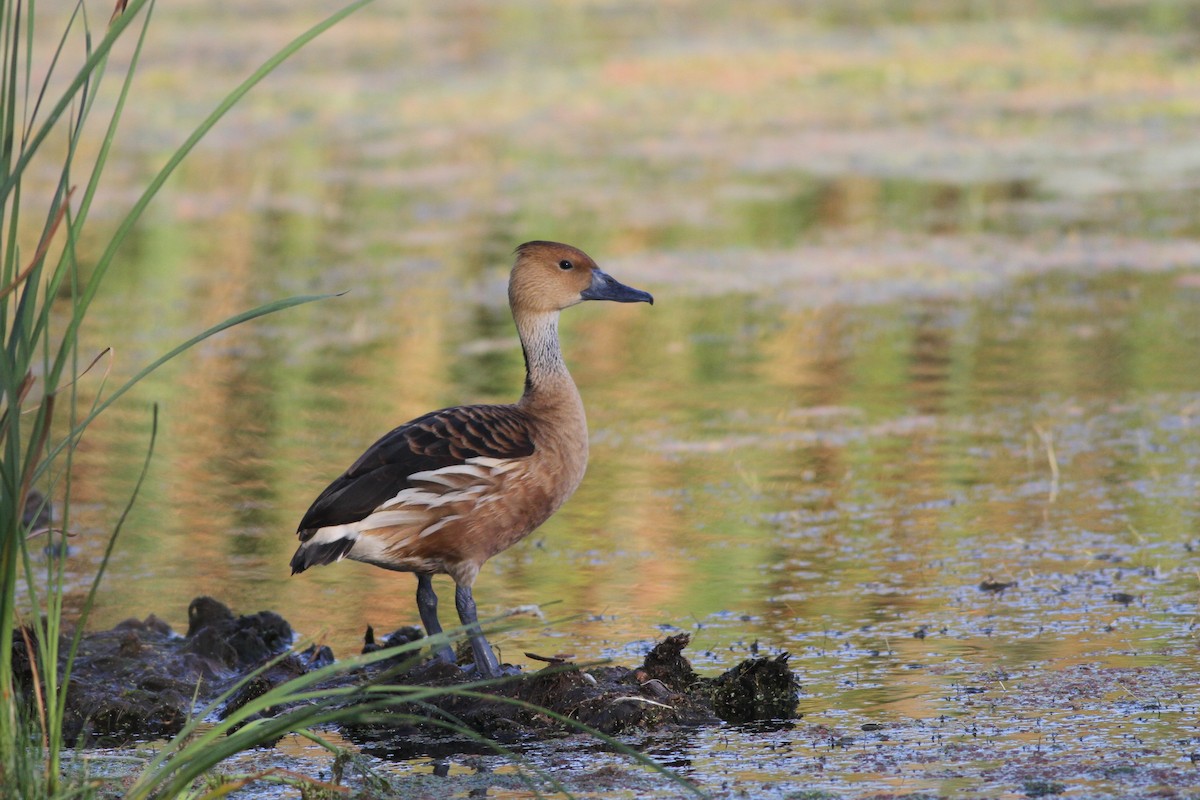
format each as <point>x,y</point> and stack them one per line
<point>449,490</point>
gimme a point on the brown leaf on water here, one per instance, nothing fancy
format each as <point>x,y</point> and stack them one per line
<point>562,658</point>
<point>43,246</point>
<point>95,360</point>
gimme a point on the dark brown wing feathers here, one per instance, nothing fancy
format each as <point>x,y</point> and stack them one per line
<point>438,439</point>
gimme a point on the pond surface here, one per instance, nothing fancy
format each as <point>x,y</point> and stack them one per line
<point>918,402</point>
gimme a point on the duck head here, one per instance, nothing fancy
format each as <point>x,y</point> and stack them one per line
<point>549,276</point>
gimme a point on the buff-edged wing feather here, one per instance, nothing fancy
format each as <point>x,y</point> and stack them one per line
<point>448,438</point>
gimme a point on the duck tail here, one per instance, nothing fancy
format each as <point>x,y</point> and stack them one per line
<point>320,548</point>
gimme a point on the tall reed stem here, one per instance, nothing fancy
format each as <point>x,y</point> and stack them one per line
<point>44,299</point>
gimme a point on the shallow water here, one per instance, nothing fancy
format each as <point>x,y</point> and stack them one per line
<point>926,322</point>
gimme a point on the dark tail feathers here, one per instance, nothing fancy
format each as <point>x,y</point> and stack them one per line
<point>316,555</point>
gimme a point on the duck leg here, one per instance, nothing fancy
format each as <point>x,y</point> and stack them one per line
<point>427,606</point>
<point>485,659</point>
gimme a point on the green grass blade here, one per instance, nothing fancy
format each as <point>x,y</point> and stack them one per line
<point>26,315</point>
<point>68,259</point>
<point>67,97</point>
<point>58,51</point>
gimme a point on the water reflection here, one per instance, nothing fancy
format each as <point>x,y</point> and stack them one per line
<point>867,202</point>
<point>819,488</point>
<point>489,357</point>
<point>769,470</point>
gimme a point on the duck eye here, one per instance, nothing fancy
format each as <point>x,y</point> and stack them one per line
<point>564,264</point>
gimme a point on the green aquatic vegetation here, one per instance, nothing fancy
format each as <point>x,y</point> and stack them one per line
<point>45,295</point>
<point>1042,788</point>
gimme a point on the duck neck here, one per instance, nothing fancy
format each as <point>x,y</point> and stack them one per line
<point>546,375</point>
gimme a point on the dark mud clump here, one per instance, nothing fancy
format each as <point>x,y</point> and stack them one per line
<point>216,635</point>
<point>756,689</point>
<point>663,692</point>
<point>666,663</point>
<point>140,679</point>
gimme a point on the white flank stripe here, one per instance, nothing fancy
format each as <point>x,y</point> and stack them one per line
<point>375,548</point>
<point>486,461</point>
<point>443,475</point>
<point>414,497</point>
<point>386,519</point>
<point>419,497</point>
<point>480,472</point>
<point>426,499</point>
<point>332,534</point>
<point>437,526</point>
<point>495,465</point>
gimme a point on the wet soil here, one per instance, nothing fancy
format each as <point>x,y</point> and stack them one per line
<point>140,680</point>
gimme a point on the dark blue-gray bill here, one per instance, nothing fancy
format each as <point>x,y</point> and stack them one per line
<point>605,287</point>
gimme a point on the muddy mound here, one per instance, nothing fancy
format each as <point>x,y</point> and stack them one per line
<point>663,692</point>
<point>138,681</point>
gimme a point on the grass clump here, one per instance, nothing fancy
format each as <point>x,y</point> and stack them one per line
<point>48,104</point>
<point>1040,788</point>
